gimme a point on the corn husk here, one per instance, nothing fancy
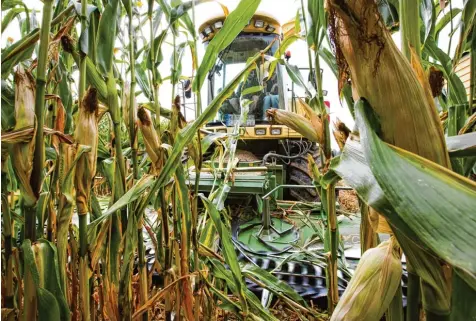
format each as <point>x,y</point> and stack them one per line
<point>87,133</point>
<point>22,152</point>
<point>373,286</point>
<point>399,94</point>
<point>365,51</point>
<point>126,94</point>
<point>151,140</point>
<point>378,222</point>
<point>59,122</point>
<point>294,121</point>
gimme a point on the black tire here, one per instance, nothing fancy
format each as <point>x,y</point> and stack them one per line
<point>298,174</point>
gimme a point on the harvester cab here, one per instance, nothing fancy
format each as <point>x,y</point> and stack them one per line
<point>281,151</point>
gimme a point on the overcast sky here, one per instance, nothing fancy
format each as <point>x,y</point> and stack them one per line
<point>281,10</point>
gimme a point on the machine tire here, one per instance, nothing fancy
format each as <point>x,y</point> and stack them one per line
<point>298,174</point>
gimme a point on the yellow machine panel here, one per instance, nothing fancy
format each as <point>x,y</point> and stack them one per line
<point>257,24</point>
<point>260,132</point>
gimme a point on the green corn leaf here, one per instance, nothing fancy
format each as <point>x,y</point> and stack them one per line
<point>251,90</point>
<point>131,195</point>
<point>443,21</point>
<point>209,139</point>
<point>47,263</point>
<point>176,66</point>
<point>106,37</point>
<point>463,298</point>
<point>157,44</point>
<point>184,203</point>
<point>228,249</point>
<point>457,92</point>
<point>125,283</point>
<point>48,305</point>
<point>273,284</point>
<point>462,145</point>
<point>10,15</point>
<point>143,80</point>
<point>409,195</point>
<point>318,22</point>
<point>219,271</point>
<point>232,26</point>
<point>208,235</point>
<point>468,21</point>
<point>296,76</point>
<point>40,213</point>
<point>127,6</point>
<point>297,23</point>
<point>8,107</point>
<point>427,15</point>
<point>18,52</point>
<point>285,43</point>
<point>389,12</point>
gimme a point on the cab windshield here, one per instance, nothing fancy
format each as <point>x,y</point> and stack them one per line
<point>262,91</point>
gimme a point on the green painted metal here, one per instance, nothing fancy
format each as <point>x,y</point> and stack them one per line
<point>273,242</point>
<point>243,184</point>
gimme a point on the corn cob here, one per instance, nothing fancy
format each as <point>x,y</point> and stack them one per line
<point>151,139</point>
<point>22,153</point>
<point>294,121</point>
<point>366,52</point>
<point>373,285</point>
<point>87,133</point>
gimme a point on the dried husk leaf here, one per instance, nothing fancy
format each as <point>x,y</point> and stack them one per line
<point>316,121</point>
<point>60,123</point>
<point>373,285</point>
<point>24,135</point>
<point>86,133</point>
<point>294,121</point>
<point>177,123</point>
<point>151,140</point>
<point>22,153</point>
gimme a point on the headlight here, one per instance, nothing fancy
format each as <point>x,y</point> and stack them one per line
<point>218,24</point>
<point>208,30</point>
<point>270,28</point>
<point>260,131</point>
<point>222,130</point>
<point>259,23</point>
<point>275,131</point>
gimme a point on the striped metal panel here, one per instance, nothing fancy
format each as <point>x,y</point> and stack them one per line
<point>463,71</point>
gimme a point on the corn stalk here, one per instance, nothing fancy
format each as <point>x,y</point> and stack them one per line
<point>318,25</point>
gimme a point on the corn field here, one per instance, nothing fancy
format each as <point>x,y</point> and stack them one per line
<point>101,219</point>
